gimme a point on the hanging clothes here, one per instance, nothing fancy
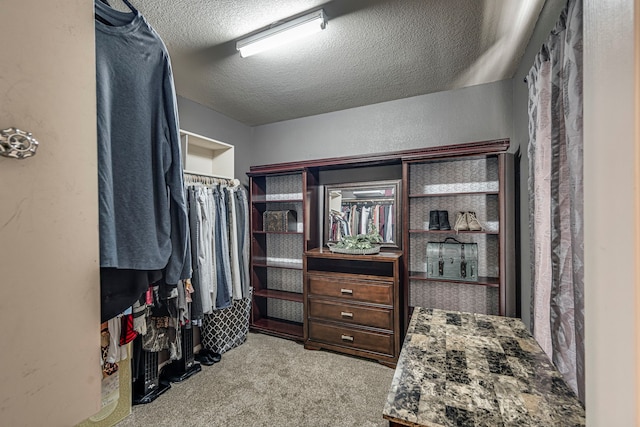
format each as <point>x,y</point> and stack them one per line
<point>219,223</point>
<point>163,326</point>
<point>234,245</point>
<point>142,208</point>
<point>242,209</point>
<point>195,229</point>
<point>206,215</point>
<point>222,254</point>
<point>388,237</point>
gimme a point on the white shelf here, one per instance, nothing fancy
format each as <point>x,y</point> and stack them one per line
<point>206,156</point>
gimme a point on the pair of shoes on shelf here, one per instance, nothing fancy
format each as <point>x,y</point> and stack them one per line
<point>439,220</point>
<point>467,221</point>
<point>207,357</point>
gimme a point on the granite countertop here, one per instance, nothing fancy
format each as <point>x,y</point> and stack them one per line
<point>463,369</point>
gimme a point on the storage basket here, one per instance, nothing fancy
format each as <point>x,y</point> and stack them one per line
<point>227,328</point>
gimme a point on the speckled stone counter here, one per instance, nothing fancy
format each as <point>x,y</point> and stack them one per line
<point>462,369</point>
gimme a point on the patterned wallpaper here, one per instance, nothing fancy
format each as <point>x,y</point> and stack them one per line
<point>287,310</point>
<point>454,176</point>
<point>283,187</point>
<point>282,279</point>
<point>454,296</point>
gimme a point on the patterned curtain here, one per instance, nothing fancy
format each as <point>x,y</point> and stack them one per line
<point>556,197</point>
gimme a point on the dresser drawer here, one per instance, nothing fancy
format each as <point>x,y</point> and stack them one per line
<point>351,289</point>
<point>351,337</point>
<point>350,313</point>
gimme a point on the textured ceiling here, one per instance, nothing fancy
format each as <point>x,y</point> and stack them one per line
<point>371,51</point>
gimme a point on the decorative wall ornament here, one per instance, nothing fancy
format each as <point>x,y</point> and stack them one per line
<point>17,144</point>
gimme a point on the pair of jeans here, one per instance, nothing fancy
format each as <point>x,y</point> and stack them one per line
<point>222,261</point>
<point>242,210</point>
<point>206,217</point>
<point>234,243</point>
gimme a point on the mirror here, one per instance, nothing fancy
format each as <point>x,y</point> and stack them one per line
<point>361,208</point>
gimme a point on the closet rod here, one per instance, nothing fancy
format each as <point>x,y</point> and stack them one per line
<point>207,175</point>
<point>358,201</point>
<point>203,178</point>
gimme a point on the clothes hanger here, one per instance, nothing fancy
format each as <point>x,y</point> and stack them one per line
<point>133,9</point>
<point>129,5</point>
<point>106,22</point>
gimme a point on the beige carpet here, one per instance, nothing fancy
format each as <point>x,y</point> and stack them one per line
<point>273,382</point>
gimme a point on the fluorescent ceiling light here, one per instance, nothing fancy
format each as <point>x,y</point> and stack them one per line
<point>283,33</point>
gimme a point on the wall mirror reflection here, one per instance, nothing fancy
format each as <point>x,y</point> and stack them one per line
<point>362,208</point>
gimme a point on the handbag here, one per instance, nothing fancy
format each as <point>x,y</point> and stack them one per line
<point>452,261</point>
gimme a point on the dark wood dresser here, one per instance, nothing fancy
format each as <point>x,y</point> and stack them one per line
<point>352,304</point>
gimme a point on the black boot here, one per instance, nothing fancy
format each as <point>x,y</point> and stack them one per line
<point>443,218</point>
<point>434,222</point>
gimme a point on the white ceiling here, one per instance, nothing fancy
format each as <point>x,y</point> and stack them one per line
<point>371,51</point>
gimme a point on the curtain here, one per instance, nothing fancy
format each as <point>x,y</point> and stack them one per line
<point>556,197</point>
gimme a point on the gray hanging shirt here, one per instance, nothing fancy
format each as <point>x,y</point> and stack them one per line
<point>143,215</point>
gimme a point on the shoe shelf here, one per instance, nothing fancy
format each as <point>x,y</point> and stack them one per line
<point>278,327</point>
<point>264,262</point>
<point>283,295</point>
<point>482,280</point>
<point>462,193</point>
<point>480,184</point>
<point>453,232</point>
<point>260,200</point>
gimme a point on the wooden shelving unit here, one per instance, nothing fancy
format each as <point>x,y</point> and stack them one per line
<point>276,256</point>
<point>477,176</point>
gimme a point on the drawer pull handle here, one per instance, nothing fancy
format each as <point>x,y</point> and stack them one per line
<point>346,314</point>
<point>346,291</point>
<point>347,338</point>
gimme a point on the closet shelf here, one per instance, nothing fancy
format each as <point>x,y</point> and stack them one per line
<point>277,232</point>
<point>422,231</point>
<point>262,262</point>
<point>283,295</point>
<point>206,156</point>
<point>281,328</point>
<point>262,200</point>
<point>461,193</point>
<point>492,282</point>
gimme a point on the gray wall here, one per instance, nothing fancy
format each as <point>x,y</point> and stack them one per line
<point>199,119</point>
<point>520,138</point>
<point>471,114</point>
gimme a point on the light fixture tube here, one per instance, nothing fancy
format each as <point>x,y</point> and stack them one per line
<point>283,33</point>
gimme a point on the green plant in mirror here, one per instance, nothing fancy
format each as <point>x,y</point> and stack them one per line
<point>359,241</point>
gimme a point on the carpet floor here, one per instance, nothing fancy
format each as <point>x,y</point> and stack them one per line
<point>269,381</point>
